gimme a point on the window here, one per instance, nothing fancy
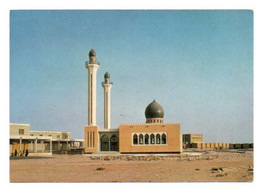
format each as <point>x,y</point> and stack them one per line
<point>31,134</point>
<point>58,136</point>
<point>88,140</point>
<point>158,139</point>
<point>146,140</point>
<point>40,134</point>
<point>140,139</point>
<point>104,143</point>
<point>149,139</point>
<point>164,139</point>
<point>93,139</point>
<point>152,139</point>
<point>66,136</point>
<point>135,139</point>
<point>21,131</point>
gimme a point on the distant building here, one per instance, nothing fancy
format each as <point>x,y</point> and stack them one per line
<point>196,141</point>
<point>192,138</point>
<point>39,142</point>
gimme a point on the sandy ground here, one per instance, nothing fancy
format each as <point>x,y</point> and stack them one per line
<point>208,167</point>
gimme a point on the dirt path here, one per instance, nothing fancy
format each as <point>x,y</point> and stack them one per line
<point>233,167</point>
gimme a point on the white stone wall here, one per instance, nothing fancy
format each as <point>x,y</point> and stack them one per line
<point>14,128</point>
<point>53,134</point>
<point>107,91</point>
<point>92,82</point>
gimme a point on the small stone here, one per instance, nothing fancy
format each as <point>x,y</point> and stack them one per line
<point>100,169</point>
<point>214,169</point>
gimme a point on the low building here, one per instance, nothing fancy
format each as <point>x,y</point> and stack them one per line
<point>192,138</point>
<point>23,141</point>
<point>60,140</point>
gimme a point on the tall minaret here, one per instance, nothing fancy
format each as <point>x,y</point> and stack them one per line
<point>107,88</point>
<point>92,65</point>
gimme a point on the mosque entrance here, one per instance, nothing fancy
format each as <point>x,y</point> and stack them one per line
<point>104,143</point>
<point>114,143</point>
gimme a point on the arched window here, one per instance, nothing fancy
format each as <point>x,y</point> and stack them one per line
<point>114,143</point>
<point>104,143</point>
<point>135,141</point>
<point>164,139</point>
<point>146,140</point>
<point>141,138</point>
<point>158,139</point>
<point>152,139</point>
<point>104,138</point>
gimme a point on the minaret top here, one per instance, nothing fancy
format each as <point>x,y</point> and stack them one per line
<point>92,52</point>
<point>92,57</point>
<point>107,79</point>
<point>106,75</point>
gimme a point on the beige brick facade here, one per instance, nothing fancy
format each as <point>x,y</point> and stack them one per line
<point>91,139</point>
<point>171,130</point>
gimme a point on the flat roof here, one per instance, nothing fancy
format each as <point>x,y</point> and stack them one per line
<point>49,132</point>
<point>134,124</point>
<point>108,130</point>
<point>20,124</point>
<point>30,137</point>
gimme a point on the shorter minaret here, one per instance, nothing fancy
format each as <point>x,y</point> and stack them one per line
<point>107,88</point>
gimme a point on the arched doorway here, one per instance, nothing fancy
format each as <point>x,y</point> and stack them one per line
<point>104,143</point>
<point>114,143</point>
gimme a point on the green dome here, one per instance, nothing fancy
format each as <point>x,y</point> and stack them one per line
<point>154,110</point>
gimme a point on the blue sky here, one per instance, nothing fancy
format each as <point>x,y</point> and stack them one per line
<point>197,64</point>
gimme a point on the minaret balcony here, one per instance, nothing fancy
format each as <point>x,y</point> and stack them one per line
<point>104,83</point>
<point>90,62</point>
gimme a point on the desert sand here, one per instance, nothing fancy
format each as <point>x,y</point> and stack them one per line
<point>205,166</point>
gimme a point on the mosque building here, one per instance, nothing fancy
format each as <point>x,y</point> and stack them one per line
<point>154,136</point>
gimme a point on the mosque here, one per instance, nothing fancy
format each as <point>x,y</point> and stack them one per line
<point>154,136</point>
